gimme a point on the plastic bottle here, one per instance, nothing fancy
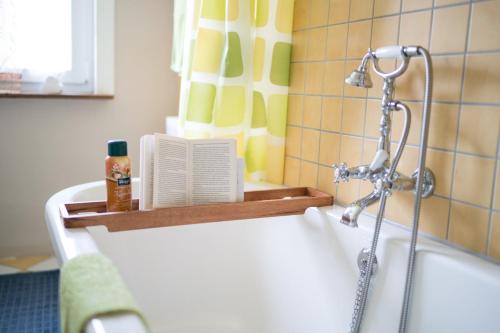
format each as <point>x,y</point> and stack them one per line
<point>118,181</point>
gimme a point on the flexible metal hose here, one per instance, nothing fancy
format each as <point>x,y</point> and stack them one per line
<point>410,272</point>
<point>366,274</point>
<point>361,296</point>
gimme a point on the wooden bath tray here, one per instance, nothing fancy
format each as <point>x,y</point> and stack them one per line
<point>263,203</point>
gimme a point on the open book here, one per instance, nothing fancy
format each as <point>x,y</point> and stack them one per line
<point>181,172</point>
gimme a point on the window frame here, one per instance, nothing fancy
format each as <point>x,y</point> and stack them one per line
<point>93,29</point>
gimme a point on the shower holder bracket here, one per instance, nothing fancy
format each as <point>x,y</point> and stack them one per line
<point>363,257</point>
<point>428,184</point>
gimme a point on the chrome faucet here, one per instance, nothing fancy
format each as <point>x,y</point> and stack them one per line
<point>381,172</point>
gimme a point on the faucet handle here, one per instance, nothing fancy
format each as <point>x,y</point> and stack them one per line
<point>340,173</point>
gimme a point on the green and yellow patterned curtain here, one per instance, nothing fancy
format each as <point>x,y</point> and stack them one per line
<point>235,75</point>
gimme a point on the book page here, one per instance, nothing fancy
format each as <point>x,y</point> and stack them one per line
<point>171,172</point>
<point>213,177</point>
<point>146,172</point>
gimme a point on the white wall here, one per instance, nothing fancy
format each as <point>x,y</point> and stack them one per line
<point>48,144</point>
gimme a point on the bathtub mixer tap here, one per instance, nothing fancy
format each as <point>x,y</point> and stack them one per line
<point>381,172</point>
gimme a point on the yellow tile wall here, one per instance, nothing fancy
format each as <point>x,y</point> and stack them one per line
<point>330,122</point>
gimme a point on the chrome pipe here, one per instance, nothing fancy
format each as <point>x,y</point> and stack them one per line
<point>404,136</point>
<point>384,141</point>
<point>402,183</point>
<point>410,272</point>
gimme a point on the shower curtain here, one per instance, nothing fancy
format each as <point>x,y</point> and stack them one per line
<point>234,78</point>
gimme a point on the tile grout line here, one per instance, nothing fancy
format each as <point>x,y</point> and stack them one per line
<point>366,92</point>
<point>337,185</point>
<point>457,132</point>
<point>321,98</point>
<point>462,202</point>
<point>458,103</point>
<point>492,200</point>
<point>303,103</point>
<point>436,54</point>
<point>303,90</point>
<point>301,131</point>
<point>293,55</point>
<point>429,43</point>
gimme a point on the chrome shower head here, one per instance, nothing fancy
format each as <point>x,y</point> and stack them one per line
<point>360,77</point>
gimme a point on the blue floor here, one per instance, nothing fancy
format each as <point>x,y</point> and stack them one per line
<point>29,302</point>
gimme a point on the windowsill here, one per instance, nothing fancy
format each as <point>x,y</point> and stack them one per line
<point>55,96</point>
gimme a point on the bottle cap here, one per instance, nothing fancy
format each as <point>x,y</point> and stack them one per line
<point>117,148</point>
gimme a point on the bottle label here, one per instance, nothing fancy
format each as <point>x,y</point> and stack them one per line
<point>123,181</point>
<point>119,171</point>
<point>118,183</point>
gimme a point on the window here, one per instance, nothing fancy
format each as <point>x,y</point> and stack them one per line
<point>57,38</point>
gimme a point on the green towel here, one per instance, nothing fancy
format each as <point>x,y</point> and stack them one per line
<point>90,285</point>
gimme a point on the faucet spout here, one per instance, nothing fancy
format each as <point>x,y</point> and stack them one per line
<point>351,213</point>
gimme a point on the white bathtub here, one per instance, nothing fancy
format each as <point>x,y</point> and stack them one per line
<point>281,275</point>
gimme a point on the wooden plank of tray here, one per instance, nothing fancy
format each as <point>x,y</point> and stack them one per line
<point>262,203</point>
